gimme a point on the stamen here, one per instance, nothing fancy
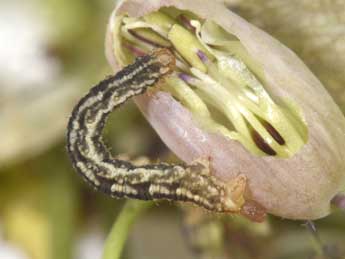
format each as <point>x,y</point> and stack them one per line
<point>136,51</point>
<point>185,77</point>
<point>186,22</point>
<point>139,37</point>
<point>273,132</point>
<point>202,56</point>
<point>143,39</point>
<point>187,45</point>
<point>261,143</point>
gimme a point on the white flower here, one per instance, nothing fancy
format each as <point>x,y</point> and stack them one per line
<point>240,98</point>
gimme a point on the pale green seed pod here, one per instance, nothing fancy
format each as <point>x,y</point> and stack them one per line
<point>239,98</point>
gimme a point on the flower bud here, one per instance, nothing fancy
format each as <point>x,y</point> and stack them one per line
<point>239,98</point>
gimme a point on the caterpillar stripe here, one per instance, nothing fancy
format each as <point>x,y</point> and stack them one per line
<point>119,178</point>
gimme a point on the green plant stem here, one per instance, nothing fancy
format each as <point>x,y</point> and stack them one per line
<point>316,240</point>
<point>118,235</point>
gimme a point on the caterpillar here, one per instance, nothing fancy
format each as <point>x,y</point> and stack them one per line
<point>119,178</point>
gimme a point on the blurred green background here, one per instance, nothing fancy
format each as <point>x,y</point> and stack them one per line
<point>51,53</point>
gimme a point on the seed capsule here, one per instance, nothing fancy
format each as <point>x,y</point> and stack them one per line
<point>242,99</point>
